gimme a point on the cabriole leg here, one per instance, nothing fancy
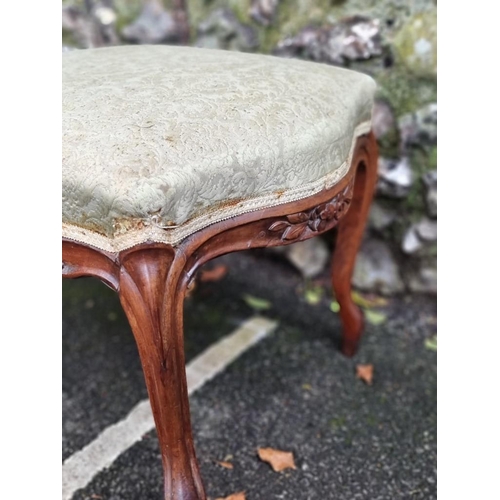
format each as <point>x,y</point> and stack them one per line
<point>152,288</point>
<point>349,235</point>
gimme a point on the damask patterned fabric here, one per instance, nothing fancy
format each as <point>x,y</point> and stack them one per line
<point>159,142</point>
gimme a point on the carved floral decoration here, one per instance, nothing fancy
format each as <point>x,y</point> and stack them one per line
<point>316,219</point>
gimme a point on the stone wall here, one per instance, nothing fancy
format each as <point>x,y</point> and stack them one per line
<point>392,40</point>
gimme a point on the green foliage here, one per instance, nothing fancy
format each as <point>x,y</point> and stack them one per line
<point>431,343</point>
<point>257,303</point>
<point>405,92</point>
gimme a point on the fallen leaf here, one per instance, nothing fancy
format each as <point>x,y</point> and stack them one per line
<point>307,387</point>
<point>365,373</point>
<point>257,303</point>
<point>214,274</point>
<point>277,459</point>
<point>313,295</point>
<point>375,317</point>
<point>368,301</point>
<point>234,496</point>
<point>227,465</point>
<point>432,343</point>
<point>334,306</point>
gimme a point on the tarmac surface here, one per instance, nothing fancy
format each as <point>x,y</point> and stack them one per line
<point>293,391</point>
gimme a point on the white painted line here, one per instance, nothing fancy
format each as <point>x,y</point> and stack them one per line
<point>219,355</point>
<point>81,467</point>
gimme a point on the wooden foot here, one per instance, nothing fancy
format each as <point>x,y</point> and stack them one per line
<point>152,287</point>
<point>349,235</point>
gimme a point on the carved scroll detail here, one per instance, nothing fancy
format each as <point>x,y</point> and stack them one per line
<point>317,219</point>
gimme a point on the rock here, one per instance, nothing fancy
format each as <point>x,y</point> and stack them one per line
<point>154,25</point>
<point>416,43</point>
<point>411,242</point>
<point>430,182</point>
<point>351,39</point>
<point>359,38</point>
<point>310,257</point>
<point>380,217</point>
<point>383,120</point>
<point>424,280</point>
<point>71,16</point>
<point>376,270</point>
<point>417,235</point>
<point>385,128</point>
<point>301,44</point>
<point>222,30</point>
<point>427,229</point>
<point>92,27</point>
<point>77,22</point>
<point>105,14</point>
<point>395,177</point>
<point>419,128</point>
<point>263,11</point>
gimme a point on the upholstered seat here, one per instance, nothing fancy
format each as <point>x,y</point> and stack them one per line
<point>160,142</point>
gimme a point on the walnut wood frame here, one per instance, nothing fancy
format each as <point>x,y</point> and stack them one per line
<point>151,280</point>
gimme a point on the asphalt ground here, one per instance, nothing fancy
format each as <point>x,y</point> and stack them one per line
<point>293,391</point>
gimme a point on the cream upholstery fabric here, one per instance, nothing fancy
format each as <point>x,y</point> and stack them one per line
<point>161,141</point>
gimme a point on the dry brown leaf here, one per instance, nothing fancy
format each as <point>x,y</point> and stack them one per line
<point>214,274</point>
<point>234,496</point>
<point>227,465</point>
<point>277,459</point>
<point>365,373</point>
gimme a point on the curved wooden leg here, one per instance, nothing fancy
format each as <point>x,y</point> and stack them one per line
<point>350,232</point>
<point>152,288</point>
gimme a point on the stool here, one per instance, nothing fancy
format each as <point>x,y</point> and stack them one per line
<point>173,156</point>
